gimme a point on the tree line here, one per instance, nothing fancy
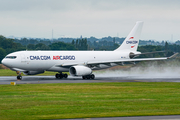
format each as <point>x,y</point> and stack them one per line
<point>8,45</point>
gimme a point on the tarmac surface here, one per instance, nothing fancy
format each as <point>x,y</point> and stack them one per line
<point>170,117</point>
<point>70,79</point>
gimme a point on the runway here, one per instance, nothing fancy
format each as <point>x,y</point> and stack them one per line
<point>167,117</point>
<point>70,79</point>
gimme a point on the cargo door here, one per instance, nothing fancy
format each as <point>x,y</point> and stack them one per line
<point>23,58</point>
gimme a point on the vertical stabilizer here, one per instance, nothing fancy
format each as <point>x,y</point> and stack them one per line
<point>132,40</point>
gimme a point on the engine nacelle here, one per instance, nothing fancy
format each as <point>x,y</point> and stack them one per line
<point>33,72</point>
<point>80,70</point>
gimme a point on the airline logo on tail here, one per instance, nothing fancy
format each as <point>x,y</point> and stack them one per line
<point>131,38</point>
<point>132,46</point>
<point>131,42</point>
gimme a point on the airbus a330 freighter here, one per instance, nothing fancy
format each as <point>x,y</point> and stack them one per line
<point>77,63</point>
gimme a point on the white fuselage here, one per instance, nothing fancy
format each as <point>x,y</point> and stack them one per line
<point>54,60</point>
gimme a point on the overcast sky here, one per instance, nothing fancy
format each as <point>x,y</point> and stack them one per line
<point>98,18</point>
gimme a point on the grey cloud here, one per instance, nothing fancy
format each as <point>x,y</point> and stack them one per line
<point>18,5</point>
<point>101,17</point>
<point>66,5</point>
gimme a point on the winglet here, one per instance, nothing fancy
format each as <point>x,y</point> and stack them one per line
<point>173,56</point>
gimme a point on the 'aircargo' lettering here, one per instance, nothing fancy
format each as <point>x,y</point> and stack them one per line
<point>68,57</point>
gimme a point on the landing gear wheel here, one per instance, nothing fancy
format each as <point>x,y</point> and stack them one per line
<point>88,76</point>
<point>61,75</point>
<point>19,77</point>
<point>92,76</point>
<point>57,75</point>
<point>65,75</point>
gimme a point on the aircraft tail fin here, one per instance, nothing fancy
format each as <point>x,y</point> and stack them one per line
<point>132,40</point>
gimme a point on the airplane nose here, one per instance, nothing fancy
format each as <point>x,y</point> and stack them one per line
<point>4,62</point>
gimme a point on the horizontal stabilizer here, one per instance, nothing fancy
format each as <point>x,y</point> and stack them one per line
<point>135,55</point>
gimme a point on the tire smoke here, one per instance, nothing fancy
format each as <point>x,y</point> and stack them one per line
<point>156,69</point>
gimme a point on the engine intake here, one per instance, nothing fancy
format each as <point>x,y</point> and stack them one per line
<point>80,70</point>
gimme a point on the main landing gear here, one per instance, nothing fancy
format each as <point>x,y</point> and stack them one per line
<point>61,75</point>
<point>19,77</point>
<point>92,76</point>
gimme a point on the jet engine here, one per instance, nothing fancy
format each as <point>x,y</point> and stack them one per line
<point>80,70</point>
<point>33,72</point>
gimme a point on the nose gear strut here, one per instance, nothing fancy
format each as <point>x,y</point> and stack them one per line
<point>19,77</point>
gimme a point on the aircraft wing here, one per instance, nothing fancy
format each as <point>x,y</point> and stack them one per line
<point>108,62</point>
<point>116,61</point>
<point>131,60</point>
<point>124,60</point>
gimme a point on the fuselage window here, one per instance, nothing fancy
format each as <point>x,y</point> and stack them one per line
<point>11,57</point>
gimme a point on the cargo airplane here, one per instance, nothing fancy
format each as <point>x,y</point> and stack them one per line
<point>77,63</point>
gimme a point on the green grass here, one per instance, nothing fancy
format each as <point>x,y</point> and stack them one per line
<point>87,100</point>
<point>7,72</point>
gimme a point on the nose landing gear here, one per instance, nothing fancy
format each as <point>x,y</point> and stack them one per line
<point>19,77</point>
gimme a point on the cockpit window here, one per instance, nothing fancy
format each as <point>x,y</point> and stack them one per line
<point>11,57</point>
